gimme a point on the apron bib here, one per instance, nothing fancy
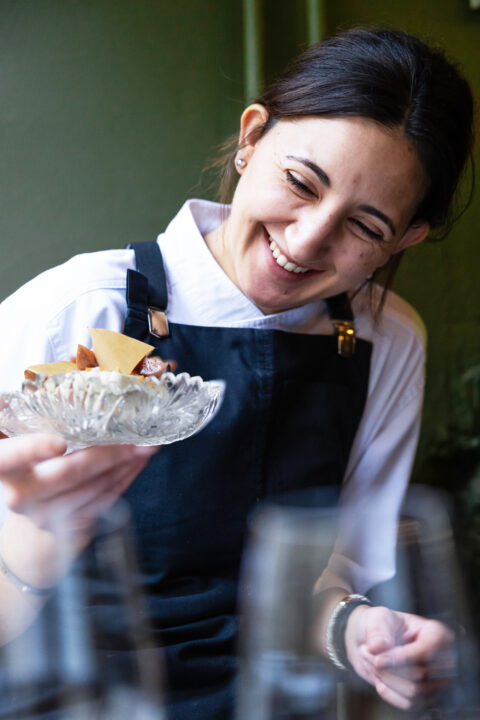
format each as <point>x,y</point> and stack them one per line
<point>291,409</point>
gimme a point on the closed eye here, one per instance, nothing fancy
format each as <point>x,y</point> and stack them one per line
<point>365,230</point>
<point>297,184</point>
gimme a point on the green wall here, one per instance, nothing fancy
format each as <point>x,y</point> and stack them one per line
<point>108,112</point>
<point>111,108</point>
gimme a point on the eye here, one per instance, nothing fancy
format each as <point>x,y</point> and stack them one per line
<point>298,184</point>
<point>365,230</point>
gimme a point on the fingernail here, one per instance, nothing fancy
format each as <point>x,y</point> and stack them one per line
<point>145,450</point>
<point>44,469</point>
<point>57,443</point>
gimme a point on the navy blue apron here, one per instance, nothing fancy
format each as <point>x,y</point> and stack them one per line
<point>290,413</point>
<point>291,410</point>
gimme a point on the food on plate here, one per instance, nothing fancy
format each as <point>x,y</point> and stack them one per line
<point>53,368</point>
<point>117,392</point>
<point>118,352</point>
<point>85,358</point>
<point>112,352</point>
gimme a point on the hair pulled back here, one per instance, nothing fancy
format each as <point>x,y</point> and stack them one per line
<point>398,81</point>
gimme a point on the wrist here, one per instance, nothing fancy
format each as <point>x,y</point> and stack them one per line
<point>22,585</point>
<point>353,629</point>
<point>32,558</point>
<point>335,639</point>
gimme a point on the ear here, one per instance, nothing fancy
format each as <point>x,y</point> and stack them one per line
<point>252,122</point>
<point>413,235</point>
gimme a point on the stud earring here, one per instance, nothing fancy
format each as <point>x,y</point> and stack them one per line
<point>240,163</point>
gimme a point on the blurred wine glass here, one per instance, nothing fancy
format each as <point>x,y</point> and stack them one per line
<point>428,582</point>
<point>89,654</point>
<point>282,676</point>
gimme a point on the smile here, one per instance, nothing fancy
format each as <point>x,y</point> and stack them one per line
<point>286,264</point>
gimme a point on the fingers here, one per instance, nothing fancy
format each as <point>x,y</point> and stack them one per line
<point>380,642</point>
<point>381,629</point>
<point>408,693</point>
<point>76,508</point>
<point>97,506</point>
<point>362,663</point>
<point>432,641</point>
<point>84,466</point>
<point>18,455</point>
<point>411,673</point>
<point>395,697</point>
<point>407,658</point>
<point>73,479</point>
<point>369,631</point>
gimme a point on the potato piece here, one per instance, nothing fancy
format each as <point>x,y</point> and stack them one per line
<point>85,358</point>
<point>154,366</point>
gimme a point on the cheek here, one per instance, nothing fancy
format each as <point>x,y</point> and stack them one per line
<point>263,196</point>
<point>360,262</point>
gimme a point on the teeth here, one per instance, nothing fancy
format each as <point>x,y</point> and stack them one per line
<point>283,261</point>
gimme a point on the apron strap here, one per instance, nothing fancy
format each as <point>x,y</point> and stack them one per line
<point>149,262</point>
<point>341,317</point>
<point>147,295</point>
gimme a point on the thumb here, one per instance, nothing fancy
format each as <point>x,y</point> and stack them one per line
<point>377,643</point>
<point>380,635</point>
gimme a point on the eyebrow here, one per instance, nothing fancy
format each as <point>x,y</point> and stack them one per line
<point>380,215</point>
<point>321,174</point>
<point>323,177</point>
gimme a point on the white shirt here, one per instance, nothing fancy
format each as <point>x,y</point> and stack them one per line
<point>46,319</point>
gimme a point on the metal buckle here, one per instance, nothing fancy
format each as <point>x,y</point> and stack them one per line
<point>157,323</point>
<point>345,332</point>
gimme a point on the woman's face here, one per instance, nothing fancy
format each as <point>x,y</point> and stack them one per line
<point>320,205</point>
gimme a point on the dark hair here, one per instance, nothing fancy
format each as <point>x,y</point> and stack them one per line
<point>398,81</point>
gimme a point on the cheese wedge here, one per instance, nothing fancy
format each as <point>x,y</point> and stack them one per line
<point>59,366</point>
<point>118,352</point>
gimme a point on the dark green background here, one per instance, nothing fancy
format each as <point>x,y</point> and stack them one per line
<point>109,110</point>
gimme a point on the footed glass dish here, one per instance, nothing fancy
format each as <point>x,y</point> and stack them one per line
<point>104,408</point>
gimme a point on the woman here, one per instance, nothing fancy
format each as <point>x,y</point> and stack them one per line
<point>345,162</point>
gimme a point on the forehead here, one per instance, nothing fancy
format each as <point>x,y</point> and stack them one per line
<point>342,136</point>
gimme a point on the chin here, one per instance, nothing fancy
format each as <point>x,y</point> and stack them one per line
<point>269,306</point>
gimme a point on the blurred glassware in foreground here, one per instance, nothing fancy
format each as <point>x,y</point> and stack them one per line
<point>282,676</point>
<point>88,656</point>
<point>428,582</point>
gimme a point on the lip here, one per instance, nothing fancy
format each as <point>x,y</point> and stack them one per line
<point>285,275</point>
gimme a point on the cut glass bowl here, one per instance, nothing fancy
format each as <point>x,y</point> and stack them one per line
<point>103,408</point>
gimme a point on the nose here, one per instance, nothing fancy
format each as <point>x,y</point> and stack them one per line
<point>312,234</point>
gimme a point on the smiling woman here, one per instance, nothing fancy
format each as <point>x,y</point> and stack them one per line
<point>409,92</point>
<point>321,204</point>
<point>346,161</point>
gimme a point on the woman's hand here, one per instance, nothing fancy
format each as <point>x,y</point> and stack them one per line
<point>53,500</point>
<point>406,658</point>
<point>45,485</point>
